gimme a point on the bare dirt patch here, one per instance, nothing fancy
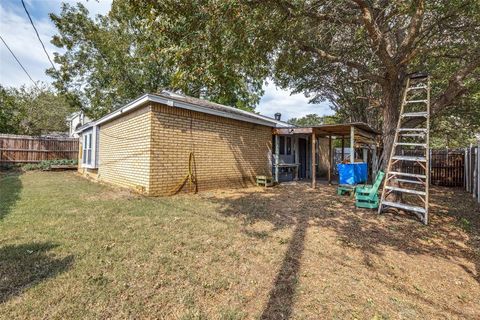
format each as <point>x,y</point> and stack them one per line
<point>344,262</point>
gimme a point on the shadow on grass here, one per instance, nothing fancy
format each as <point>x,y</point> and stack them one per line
<point>300,208</point>
<point>23,266</point>
<point>10,188</point>
<point>280,301</point>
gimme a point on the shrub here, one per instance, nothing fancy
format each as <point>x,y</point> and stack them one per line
<point>47,164</point>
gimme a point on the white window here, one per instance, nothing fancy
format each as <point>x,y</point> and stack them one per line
<point>88,149</point>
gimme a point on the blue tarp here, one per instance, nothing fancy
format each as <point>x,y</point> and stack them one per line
<point>352,173</point>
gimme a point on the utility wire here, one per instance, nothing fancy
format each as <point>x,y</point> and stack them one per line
<point>13,54</point>
<point>38,36</point>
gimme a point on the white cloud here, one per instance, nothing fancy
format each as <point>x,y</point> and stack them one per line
<point>18,33</point>
<point>20,37</point>
<point>290,106</point>
<point>15,28</point>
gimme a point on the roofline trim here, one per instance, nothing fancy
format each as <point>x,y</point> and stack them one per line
<point>140,101</point>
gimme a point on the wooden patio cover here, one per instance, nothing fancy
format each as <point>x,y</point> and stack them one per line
<point>356,131</point>
<point>362,132</point>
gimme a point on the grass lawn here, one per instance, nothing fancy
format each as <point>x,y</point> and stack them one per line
<point>72,249</point>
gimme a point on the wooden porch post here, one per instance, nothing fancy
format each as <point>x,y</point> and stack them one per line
<point>277,156</point>
<point>343,148</point>
<point>297,157</point>
<point>352,144</point>
<point>314,178</point>
<point>330,158</point>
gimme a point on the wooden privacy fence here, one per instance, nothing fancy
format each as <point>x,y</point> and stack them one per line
<point>447,167</point>
<point>26,149</point>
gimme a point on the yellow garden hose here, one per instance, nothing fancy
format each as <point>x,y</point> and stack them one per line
<point>190,177</point>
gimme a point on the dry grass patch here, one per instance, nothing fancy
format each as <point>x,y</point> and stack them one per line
<point>73,249</point>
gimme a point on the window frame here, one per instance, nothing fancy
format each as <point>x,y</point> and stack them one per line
<point>89,148</point>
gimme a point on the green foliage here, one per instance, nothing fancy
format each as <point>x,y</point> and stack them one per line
<point>355,54</point>
<point>9,113</point>
<point>201,48</point>
<point>47,164</point>
<point>314,120</point>
<point>32,111</point>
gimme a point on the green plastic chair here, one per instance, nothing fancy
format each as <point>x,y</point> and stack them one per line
<point>367,196</point>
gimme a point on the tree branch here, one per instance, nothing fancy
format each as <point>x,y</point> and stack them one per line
<point>456,86</point>
<point>455,89</point>
<point>412,30</point>
<point>376,35</point>
<point>351,64</point>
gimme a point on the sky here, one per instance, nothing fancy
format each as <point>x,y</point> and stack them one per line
<point>18,33</point>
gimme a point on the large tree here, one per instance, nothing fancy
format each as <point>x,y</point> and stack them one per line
<point>355,53</point>
<point>365,49</point>
<point>196,47</point>
<point>32,110</point>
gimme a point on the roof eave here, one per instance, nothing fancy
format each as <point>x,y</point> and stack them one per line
<point>261,120</point>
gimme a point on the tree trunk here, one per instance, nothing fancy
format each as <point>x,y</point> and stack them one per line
<point>392,95</point>
<point>392,99</point>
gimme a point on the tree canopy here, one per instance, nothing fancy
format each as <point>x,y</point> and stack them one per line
<point>314,120</point>
<point>32,111</point>
<point>197,47</point>
<point>354,53</point>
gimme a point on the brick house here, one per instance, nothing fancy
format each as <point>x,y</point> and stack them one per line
<point>153,143</point>
<point>146,144</point>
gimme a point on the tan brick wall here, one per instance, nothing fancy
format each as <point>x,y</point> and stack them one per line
<point>228,153</point>
<point>124,155</point>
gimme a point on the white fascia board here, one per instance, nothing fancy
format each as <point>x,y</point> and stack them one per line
<point>189,106</point>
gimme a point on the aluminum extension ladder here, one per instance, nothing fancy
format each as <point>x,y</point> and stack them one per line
<point>410,149</point>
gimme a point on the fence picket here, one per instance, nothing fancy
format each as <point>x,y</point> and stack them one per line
<point>17,149</point>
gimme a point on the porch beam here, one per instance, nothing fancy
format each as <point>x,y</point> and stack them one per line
<point>364,133</point>
<point>352,144</point>
<point>343,146</point>
<point>286,131</point>
<point>314,178</point>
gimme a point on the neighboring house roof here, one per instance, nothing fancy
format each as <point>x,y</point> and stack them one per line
<point>73,115</point>
<point>189,103</point>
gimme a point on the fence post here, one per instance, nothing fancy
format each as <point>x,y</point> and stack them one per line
<point>470,171</point>
<point>430,166</point>
<point>475,173</point>
<point>465,169</point>
<point>478,170</point>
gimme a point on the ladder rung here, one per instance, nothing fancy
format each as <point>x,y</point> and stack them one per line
<point>415,114</point>
<point>413,129</point>
<point>410,181</point>
<point>405,174</point>
<point>418,135</point>
<point>416,101</point>
<point>404,206</point>
<point>417,88</point>
<point>418,75</point>
<point>411,144</point>
<point>421,193</point>
<point>409,158</point>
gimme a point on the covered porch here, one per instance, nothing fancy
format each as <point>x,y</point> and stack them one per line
<point>310,153</point>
